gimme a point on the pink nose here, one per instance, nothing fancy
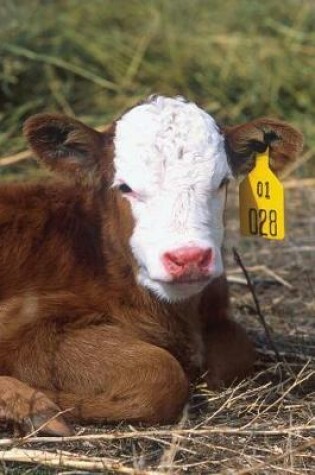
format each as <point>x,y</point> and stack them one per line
<point>189,262</point>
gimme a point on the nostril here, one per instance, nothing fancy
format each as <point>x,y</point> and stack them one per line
<point>172,261</point>
<point>175,259</point>
<point>187,261</point>
<point>205,258</point>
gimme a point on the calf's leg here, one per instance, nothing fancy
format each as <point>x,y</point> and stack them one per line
<point>230,355</point>
<point>29,408</point>
<point>102,374</point>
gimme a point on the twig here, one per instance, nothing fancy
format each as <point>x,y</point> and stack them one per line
<point>285,354</point>
<point>234,279</point>
<point>168,458</point>
<point>299,182</point>
<point>277,277</point>
<point>238,260</point>
<point>45,424</point>
<point>266,463</point>
<point>221,430</point>
<point>297,164</point>
<point>264,269</point>
<point>69,460</point>
<point>299,249</point>
<point>17,157</point>
<point>296,383</point>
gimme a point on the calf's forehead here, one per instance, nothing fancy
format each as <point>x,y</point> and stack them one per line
<point>169,141</point>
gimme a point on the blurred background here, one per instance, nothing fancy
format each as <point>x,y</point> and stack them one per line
<point>239,59</point>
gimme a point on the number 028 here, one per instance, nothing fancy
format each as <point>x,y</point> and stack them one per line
<point>257,220</point>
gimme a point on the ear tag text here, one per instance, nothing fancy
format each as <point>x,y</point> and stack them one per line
<point>261,199</point>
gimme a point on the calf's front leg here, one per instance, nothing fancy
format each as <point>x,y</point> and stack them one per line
<point>230,354</point>
<point>29,408</point>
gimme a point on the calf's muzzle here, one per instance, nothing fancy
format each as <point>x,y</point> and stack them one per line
<point>188,263</point>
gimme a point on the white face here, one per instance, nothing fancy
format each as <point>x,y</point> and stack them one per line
<point>171,155</point>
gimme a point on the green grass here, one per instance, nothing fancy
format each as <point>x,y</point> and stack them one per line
<point>239,59</point>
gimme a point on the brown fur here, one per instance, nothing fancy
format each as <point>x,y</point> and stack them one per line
<point>243,141</point>
<point>76,330</point>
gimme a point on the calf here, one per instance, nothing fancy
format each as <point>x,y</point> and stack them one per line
<point>113,294</point>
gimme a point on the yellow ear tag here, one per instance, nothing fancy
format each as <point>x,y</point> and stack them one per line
<point>261,198</point>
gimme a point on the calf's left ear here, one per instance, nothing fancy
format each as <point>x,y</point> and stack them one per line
<point>69,147</point>
<point>243,141</point>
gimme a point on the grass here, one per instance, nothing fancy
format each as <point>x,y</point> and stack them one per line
<point>239,59</point>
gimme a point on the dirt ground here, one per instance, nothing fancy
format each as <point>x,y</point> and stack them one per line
<point>264,425</point>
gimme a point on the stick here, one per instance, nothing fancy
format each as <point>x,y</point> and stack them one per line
<point>257,305</point>
<point>299,183</point>
<point>18,157</point>
<point>234,279</point>
<point>297,164</point>
<point>63,459</point>
<point>221,430</point>
<point>262,466</point>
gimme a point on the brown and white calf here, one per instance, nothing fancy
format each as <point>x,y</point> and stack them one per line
<point>113,295</point>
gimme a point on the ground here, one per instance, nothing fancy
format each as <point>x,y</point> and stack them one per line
<point>264,425</point>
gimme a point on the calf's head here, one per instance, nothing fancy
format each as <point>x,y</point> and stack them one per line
<point>171,162</point>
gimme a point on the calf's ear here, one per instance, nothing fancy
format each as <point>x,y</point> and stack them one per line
<point>69,147</point>
<point>243,141</point>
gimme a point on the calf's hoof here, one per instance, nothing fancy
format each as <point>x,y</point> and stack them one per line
<point>29,409</point>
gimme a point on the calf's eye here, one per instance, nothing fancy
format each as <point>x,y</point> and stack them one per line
<point>224,182</point>
<point>124,188</point>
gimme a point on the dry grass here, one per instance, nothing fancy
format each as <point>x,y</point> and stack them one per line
<point>264,425</point>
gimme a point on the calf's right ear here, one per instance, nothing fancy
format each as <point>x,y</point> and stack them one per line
<point>69,147</point>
